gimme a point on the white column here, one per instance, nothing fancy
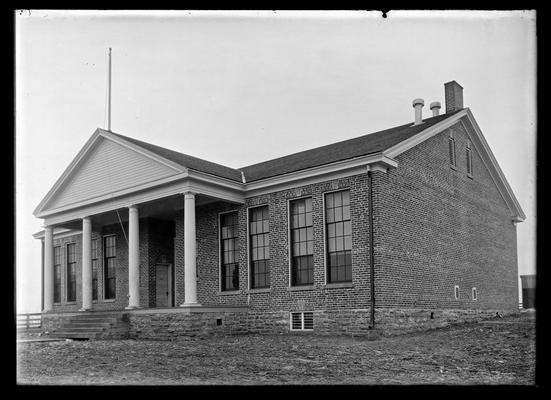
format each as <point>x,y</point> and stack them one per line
<point>133,258</point>
<point>190,269</point>
<point>48,268</point>
<point>86,264</point>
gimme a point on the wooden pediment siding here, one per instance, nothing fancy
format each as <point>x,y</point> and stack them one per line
<point>108,167</point>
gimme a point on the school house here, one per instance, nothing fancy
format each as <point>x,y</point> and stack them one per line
<point>407,228</point>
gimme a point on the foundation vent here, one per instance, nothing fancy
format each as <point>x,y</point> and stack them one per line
<point>302,321</point>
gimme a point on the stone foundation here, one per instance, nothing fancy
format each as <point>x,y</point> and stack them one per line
<point>390,322</point>
<point>179,323</point>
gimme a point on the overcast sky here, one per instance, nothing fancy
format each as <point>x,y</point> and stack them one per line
<point>238,88</point>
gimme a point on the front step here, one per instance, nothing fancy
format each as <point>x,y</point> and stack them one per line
<point>67,334</point>
<point>87,326</point>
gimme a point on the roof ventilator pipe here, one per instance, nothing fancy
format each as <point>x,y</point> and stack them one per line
<point>418,105</point>
<point>435,108</point>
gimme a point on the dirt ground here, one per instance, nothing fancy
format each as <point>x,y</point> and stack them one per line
<point>499,351</point>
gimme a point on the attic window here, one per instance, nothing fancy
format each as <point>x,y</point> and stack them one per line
<point>475,294</point>
<point>456,292</point>
<point>469,154</point>
<point>453,162</point>
<point>302,321</point>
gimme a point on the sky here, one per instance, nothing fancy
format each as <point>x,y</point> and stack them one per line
<point>238,88</point>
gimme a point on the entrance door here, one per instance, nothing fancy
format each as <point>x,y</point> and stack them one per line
<point>163,285</point>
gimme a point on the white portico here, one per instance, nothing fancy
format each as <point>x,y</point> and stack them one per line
<point>116,180</point>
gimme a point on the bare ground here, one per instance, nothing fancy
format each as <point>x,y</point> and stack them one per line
<point>500,351</point>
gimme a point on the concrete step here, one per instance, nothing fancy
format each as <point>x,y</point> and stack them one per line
<point>93,320</point>
<point>73,328</point>
<point>73,335</point>
<point>89,323</point>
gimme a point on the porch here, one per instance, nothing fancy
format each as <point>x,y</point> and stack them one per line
<point>153,264</point>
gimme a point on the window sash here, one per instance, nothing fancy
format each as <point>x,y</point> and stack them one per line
<point>259,245</point>
<point>71,281</point>
<point>469,161</point>
<point>452,152</point>
<point>71,272</point>
<point>94,279</point>
<point>302,242</point>
<point>110,264</point>
<point>57,283</point>
<point>338,237</point>
<point>229,243</point>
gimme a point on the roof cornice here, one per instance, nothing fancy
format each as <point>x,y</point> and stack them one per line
<point>496,172</point>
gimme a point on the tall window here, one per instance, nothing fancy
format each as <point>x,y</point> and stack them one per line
<point>94,269</point>
<point>259,231</point>
<point>230,251</point>
<point>110,264</point>
<point>339,236</point>
<point>302,242</point>
<point>57,274</point>
<point>71,272</point>
<point>469,159</point>
<point>453,161</point>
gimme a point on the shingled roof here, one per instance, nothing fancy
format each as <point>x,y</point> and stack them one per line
<point>356,147</point>
<point>187,161</point>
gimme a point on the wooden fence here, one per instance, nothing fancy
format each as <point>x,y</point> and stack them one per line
<point>29,321</point>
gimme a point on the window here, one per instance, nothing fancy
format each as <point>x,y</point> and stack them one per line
<point>57,274</point>
<point>259,231</point>
<point>469,160</point>
<point>475,294</point>
<point>230,251</point>
<point>338,237</point>
<point>302,242</point>
<point>94,269</point>
<point>110,265</point>
<point>456,292</point>
<point>453,161</point>
<point>71,272</point>
<point>302,321</point>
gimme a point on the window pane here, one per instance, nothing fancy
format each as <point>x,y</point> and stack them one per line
<point>338,199</point>
<point>348,242</point>
<point>347,228</point>
<point>338,214</point>
<point>329,200</point>
<point>346,212</point>
<point>345,198</point>
<point>339,229</point>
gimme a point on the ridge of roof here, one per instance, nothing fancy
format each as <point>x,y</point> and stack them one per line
<point>359,146</point>
<point>370,143</point>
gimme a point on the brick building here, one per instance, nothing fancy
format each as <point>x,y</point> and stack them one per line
<point>406,228</point>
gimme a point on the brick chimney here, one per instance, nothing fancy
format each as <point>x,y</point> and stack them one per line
<point>454,96</point>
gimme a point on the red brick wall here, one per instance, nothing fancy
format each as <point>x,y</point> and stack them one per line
<point>279,297</point>
<point>436,228</point>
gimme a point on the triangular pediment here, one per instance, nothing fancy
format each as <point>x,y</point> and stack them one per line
<point>106,166</point>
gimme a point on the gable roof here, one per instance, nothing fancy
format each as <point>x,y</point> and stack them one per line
<point>361,146</point>
<point>351,148</point>
<point>387,143</point>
